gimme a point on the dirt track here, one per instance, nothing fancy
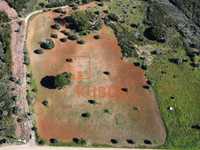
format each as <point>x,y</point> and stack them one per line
<point>27,147</point>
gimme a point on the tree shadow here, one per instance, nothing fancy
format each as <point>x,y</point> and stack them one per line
<point>148,34</point>
<point>48,82</point>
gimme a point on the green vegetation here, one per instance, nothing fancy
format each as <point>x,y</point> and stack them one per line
<point>82,143</point>
<point>24,7</point>
<point>45,103</point>
<point>85,115</point>
<point>183,83</point>
<point>47,44</point>
<point>76,142</point>
<point>7,100</point>
<point>190,7</point>
<point>156,13</point>
<point>85,21</point>
<point>108,111</point>
<point>56,3</point>
<point>4,18</point>
<point>32,88</point>
<point>176,85</point>
<point>121,18</point>
<point>125,39</point>
<point>38,51</point>
<point>26,57</point>
<point>79,141</point>
<point>158,33</point>
<point>62,80</point>
<point>39,140</point>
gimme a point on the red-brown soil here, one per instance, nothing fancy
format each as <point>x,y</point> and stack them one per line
<point>62,118</point>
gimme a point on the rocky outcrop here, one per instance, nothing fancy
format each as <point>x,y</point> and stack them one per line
<point>191,9</point>
<point>184,15</point>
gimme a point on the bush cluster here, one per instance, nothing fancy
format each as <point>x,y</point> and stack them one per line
<point>84,21</point>
<point>63,79</point>
<point>125,40</point>
<point>47,44</point>
<point>157,33</point>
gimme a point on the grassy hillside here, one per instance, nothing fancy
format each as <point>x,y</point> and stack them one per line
<point>177,86</point>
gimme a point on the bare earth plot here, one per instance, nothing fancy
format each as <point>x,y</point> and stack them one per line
<point>124,111</point>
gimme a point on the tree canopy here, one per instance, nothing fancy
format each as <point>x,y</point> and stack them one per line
<point>47,44</point>
<point>63,79</point>
<point>85,21</point>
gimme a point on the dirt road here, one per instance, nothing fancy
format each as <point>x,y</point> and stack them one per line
<point>27,147</point>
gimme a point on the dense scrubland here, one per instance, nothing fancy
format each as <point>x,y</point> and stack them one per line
<point>7,101</point>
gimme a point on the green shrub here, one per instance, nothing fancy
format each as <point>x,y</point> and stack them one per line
<point>26,58</point>
<point>85,115</point>
<point>85,21</point>
<point>113,17</point>
<point>38,51</point>
<point>63,39</point>
<point>125,40</point>
<point>79,141</point>
<point>54,35</point>
<point>157,33</point>
<point>45,103</point>
<point>57,3</point>
<point>97,37</point>
<point>7,104</point>
<point>81,41</point>
<point>47,44</point>
<point>3,17</point>
<point>56,26</point>
<point>72,36</point>
<point>63,79</point>
<point>53,141</point>
<point>41,142</point>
